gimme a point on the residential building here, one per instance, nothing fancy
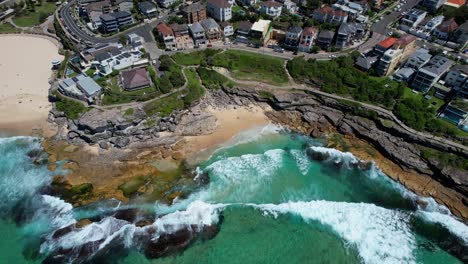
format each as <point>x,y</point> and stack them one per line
<point>325,39</point>
<point>307,39</point>
<point>148,9</point>
<point>388,62</point>
<point>88,55</point>
<point>290,6</point>
<point>430,73</point>
<point>455,3</point>
<point>433,23</point>
<point>352,13</point>
<point>457,75</point>
<point>460,35</point>
<point>212,29</point>
<point>463,90</point>
<point>135,41</point>
<point>243,31</point>
<point>345,34</point>
<point>107,62</point>
<point>327,14</point>
<point>433,5</point>
<point>219,9</point>
<point>135,79</point>
<point>457,112</point>
<point>198,34</point>
<point>228,29</point>
<point>80,87</point>
<point>94,20</point>
<point>441,90</point>
<point>445,30</point>
<point>112,22</point>
<point>413,18</point>
<point>377,3</point>
<point>182,36</point>
<point>166,3</point>
<point>248,2</point>
<point>271,8</point>
<point>102,7</point>
<point>383,46</point>
<point>166,35</point>
<point>403,74</point>
<point>366,63</point>
<point>407,44</point>
<point>125,5</point>
<point>195,12</point>
<point>418,59</point>
<point>261,30</point>
<point>292,36</point>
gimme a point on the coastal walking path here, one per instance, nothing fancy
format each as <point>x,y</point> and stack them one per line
<point>315,90</point>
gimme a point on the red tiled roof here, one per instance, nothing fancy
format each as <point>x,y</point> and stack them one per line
<point>328,10</point>
<point>405,40</point>
<point>271,4</point>
<point>309,31</point>
<point>456,2</point>
<point>135,78</point>
<point>219,3</point>
<point>387,43</point>
<point>448,26</point>
<point>164,29</point>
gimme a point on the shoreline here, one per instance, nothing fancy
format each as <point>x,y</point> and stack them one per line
<point>26,71</point>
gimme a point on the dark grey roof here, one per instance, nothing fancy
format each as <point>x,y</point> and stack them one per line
<point>460,68</point>
<point>244,26</point>
<point>295,30</point>
<point>120,14</point>
<point>347,28</point>
<point>145,6</point>
<point>179,27</point>
<point>196,28</point>
<point>438,65</point>
<point>107,17</point>
<point>326,34</point>
<point>209,23</point>
<point>194,7</point>
<point>366,62</point>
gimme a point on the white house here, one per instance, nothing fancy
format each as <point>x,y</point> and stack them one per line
<point>219,9</point>
<point>271,8</point>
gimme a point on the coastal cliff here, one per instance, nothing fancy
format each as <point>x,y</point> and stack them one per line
<point>401,153</point>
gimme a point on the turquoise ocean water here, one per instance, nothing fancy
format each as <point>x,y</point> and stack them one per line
<point>272,202</point>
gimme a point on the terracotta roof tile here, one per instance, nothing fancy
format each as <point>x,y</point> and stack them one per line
<point>387,43</point>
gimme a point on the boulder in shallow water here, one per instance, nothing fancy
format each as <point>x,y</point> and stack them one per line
<point>317,155</point>
<point>364,165</point>
<point>169,243</point>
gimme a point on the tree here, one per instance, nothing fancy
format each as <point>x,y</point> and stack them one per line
<point>123,40</point>
<point>165,86</point>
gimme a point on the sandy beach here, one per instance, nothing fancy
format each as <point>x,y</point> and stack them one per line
<point>231,121</point>
<point>25,69</point>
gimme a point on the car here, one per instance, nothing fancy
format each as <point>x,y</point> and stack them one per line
<point>196,47</point>
<point>390,33</point>
<point>278,50</point>
<point>332,56</point>
<point>209,45</point>
<point>168,49</point>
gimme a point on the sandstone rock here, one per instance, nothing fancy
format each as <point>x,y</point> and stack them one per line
<point>196,124</point>
<point>120,142</point>
<point>169,243</point>
<point>104,145</point>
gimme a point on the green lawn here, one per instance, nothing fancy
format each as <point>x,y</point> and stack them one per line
<point>194,88</point>
<point>434,102</point>
<point>8,28</point>
<point>30,19</point>
<point>164,106</point>
<point>71,108</point>
<point>211,79</point>
<point>194,58</point>
<point>252,66</point>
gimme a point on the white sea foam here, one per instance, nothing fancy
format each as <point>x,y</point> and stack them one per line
<point>455,227</point>
<point>303,163</point>
<point>336,156</point>
<point>380,235</point>
<point>197,215</point>
<point>59,212</point>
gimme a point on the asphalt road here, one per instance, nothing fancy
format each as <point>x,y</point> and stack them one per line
<point>381,26</point>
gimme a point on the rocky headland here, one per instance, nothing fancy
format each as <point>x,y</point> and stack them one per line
<point>133,156</point>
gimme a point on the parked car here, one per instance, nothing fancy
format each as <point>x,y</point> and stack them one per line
<point>278,50</point>
<point>209,45</point>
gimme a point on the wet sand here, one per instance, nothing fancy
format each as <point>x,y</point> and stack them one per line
<point>25,70</point>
